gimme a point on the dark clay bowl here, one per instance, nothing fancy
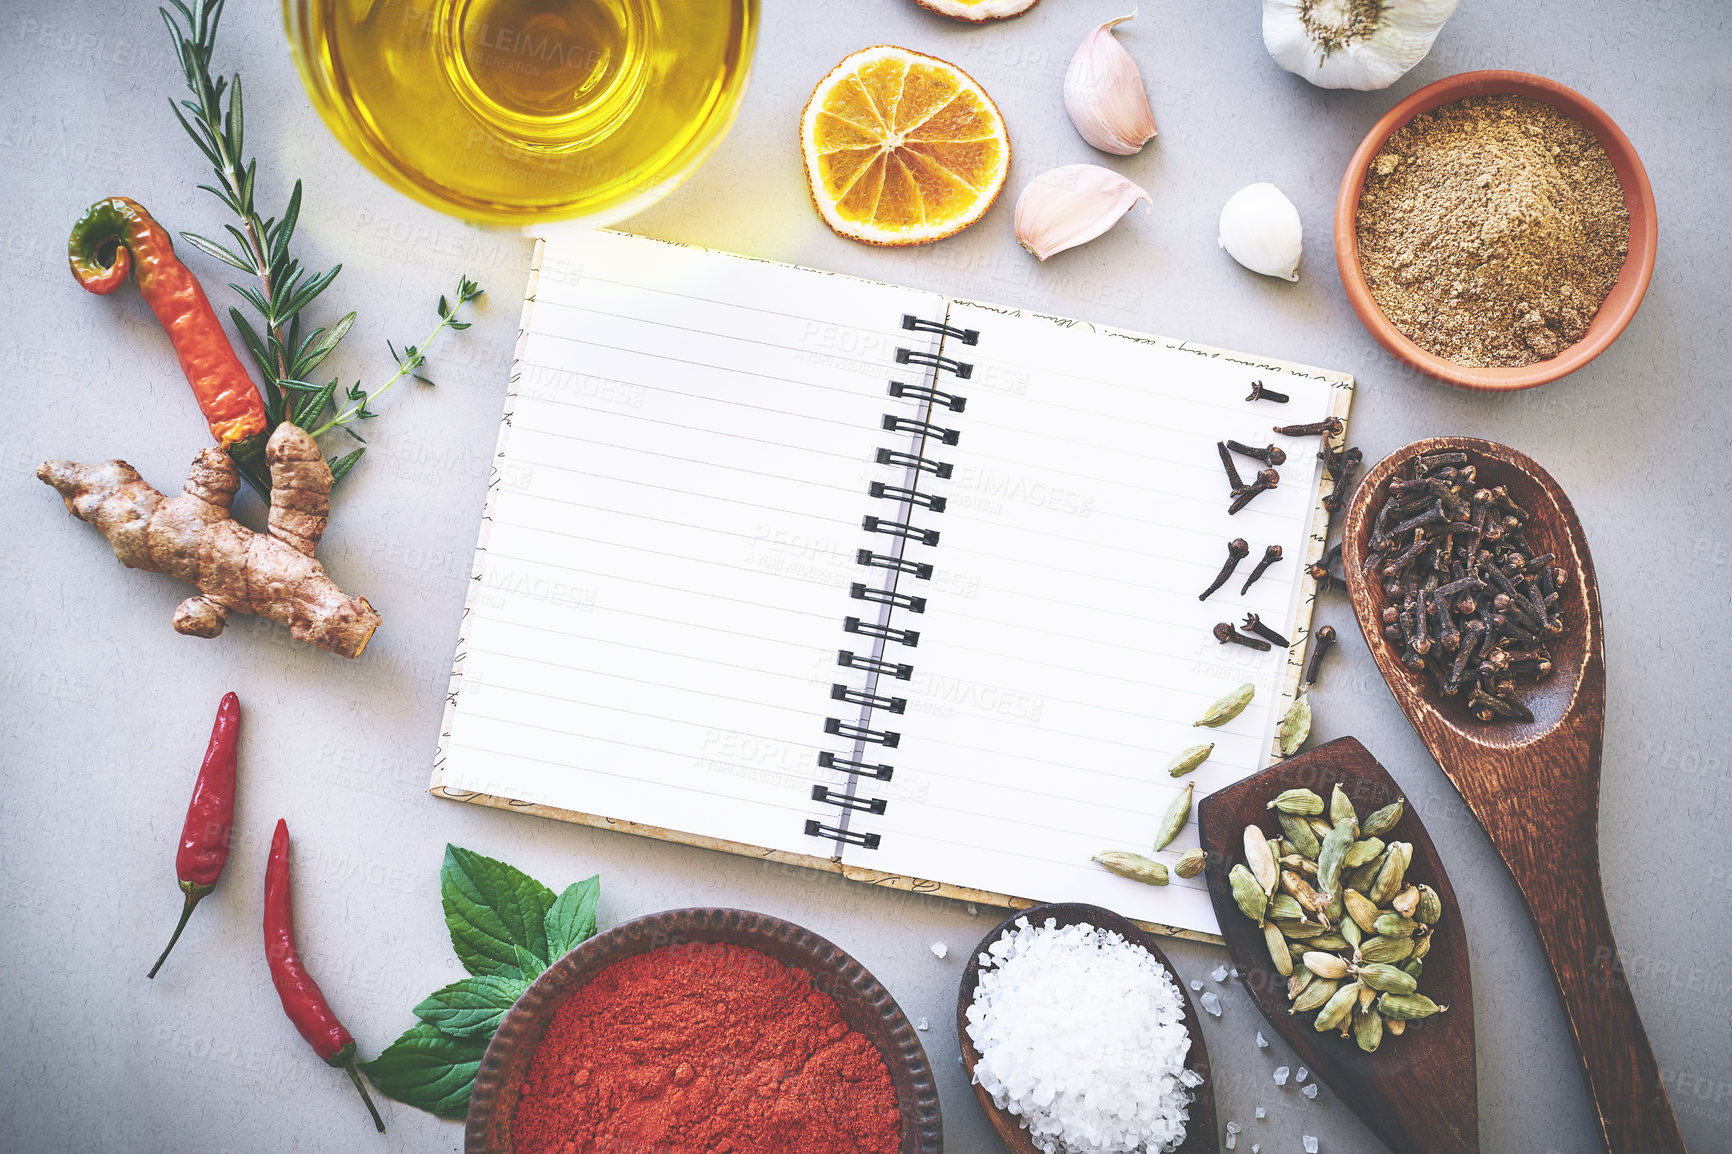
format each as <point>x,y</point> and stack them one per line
<point>866,1006</point>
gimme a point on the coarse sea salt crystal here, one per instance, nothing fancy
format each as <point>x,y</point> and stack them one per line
<point>1081,1034</point>
<point>1280,1075</point>
<point>1310,1091</point>
<point>1219,974</point>
<point>1211,1003</point>
<point>1232,1140</point>
<point>1262,1113</point>
<point>1299,1074</point>
<point>1196,985</point>
<point>1262,1042</point>
<point>923,1024</point>
<point>1256,1147</point>
<point>1310,1143</point>
<point>939,949</point>
<point>1232,1127</point>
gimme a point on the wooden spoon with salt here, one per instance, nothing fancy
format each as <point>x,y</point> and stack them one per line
<point>1535,786</point>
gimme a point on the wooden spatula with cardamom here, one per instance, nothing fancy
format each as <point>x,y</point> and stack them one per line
<point>1470,577</point>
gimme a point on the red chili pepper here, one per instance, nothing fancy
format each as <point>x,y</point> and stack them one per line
<point>210,817</point>
<point>303,1001</point>
<point>226,394</point>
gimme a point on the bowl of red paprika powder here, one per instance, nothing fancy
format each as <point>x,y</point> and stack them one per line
<point>702,1029</point>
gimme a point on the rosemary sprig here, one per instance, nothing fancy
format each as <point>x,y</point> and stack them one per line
<point>285,354</point>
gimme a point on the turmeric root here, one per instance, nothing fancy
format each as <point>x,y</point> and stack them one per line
<point>194,538</point>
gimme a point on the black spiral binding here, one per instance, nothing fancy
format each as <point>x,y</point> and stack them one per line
<point>910,503</point>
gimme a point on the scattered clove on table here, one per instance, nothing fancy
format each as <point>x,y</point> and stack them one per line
<point>1266,479</point>
<point>1237,549</point>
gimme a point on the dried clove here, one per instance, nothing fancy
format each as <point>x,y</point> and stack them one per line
<point>1269,455</point>
<point>1327,427</point>
<point>1260,392</point>
<point>1266,479</point>
<point>1235,482</point>
<point>1237,550</point>
<point>1224,633</point>
<point>1254,624</point>
<point>1319,646</point>
<point>1346,464</point>
<point>1270,555</point>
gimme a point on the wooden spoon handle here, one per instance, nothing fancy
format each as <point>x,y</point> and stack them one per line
<point>1565,898</point>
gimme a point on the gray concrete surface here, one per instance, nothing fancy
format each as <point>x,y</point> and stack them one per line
<point>104,710</point>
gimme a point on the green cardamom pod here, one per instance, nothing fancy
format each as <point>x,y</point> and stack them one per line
<point>1395,926</point>
<point>1297,951</point>
<point>1177,815</point>
<point>1191,863</point>
<point>1134,866</point>
<point>1408,1007</point>
<point>1363,877</point>
<point>1320,827</point>
<point>1394,1027</point>
<point>1350,932</point>
<point>1316,994</point>
<point>1388,882</point>
<point>1406,903</point>
<point>1190,759</point>
<point>1295,726</point>
<point>1298,980</point>
<point>1368,1030</point>
<point>1329,941</point>
<point>1299,833</point>
<point>1247,893</point>
<point>1384,820</point>
<point>1325,965</point>
<point>1361,852</point>
<point>1430,906</point>
<point>1302,892</point>
<point>1336,1009</point>
<point>1299,864</point>
<point>1261,859</point>
<point>1282,907</point>
<point>1284,848</point>
<point>1341,809</point>
<point>1278,952</point>
<point>1361,910</point>
<point>1413,968</point>
<point>1329,858</point>
<point>1228,707</point>
<point>1390,950</point>
<point>1297,801</point>
<point>1297,930</point>
<point>1421,947</point>
<point>1386,978</point>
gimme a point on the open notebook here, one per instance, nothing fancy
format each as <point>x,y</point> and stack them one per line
<point>865,578</point>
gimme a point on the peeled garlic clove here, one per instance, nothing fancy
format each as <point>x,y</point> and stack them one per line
<point>1103,92</point>
<point>1352,43</point>
<point>1260,229</point>
<point>1072,205</point>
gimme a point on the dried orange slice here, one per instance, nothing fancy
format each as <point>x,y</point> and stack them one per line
<point>902,148</point>
<point>977,11</point>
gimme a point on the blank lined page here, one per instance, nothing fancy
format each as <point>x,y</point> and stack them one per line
<point>671,535</point>
<point>1065,665</point>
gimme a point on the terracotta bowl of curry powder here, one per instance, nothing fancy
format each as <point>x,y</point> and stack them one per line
<point>1619,306</point>
<point>865,1006</point>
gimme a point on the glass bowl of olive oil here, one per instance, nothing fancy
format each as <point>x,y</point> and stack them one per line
<point>523,111</point>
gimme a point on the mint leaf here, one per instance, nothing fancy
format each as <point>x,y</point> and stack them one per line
<point>572,918</point>
<point>428,1069</point>
<point>493,910</point>
<point>529,965</point>
<point>471,1006</point>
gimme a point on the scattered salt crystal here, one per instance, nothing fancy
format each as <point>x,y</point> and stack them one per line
<point>1299,1076</point>
<point>923,1024</point>
<point>1211,1003</point>
<point>1220,973</point>
<point>1232,1139</point>
<point>1262,1113</point>
<point>939,949</point>
<point>1081,1034</point>
<point>1232,1127</point>
<point>1310,1143</point>
<point>1256,1148</point>
<point>1280,1075</point>
<point>1234,971</point>
<point>973,909</point>
<point>1262,1042</point>
<point>1196,985</point>
<point>1310,1091</point>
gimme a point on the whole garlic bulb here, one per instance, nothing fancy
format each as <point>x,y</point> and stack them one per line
<point>1103,92</point>
<point>1362,44</point>
<point>1260,229</point>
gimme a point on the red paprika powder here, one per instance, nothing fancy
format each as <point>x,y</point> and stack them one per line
<point>699,1048</point>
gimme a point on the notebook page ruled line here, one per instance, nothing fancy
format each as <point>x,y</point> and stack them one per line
<point>691,446</point>
<point>1089,504</point>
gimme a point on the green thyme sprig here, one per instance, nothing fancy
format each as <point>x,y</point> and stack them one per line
<point>285,350</point>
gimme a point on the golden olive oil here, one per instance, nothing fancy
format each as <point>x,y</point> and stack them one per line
<point>526,110</point>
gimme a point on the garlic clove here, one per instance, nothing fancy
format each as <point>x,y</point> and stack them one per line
<point>1260,229</point>
<point>1364,44</point>
<point>1103,92</point>
<point>1072,205</point>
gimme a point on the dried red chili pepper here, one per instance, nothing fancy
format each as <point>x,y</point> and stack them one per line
<point>210,817</point>
<point>226,394</point>
<point>303,1001</point>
